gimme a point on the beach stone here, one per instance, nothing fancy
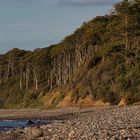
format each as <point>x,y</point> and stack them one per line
<point>71,134</point>
<point>11,136</point>
<point>56,137</point>
<point>30,122</point>
<point>19,131</point>
<point>36,132</point>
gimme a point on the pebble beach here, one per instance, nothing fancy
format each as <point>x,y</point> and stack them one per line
<point>108,123</point>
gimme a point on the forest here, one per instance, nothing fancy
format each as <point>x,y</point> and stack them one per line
<point>100,61</point>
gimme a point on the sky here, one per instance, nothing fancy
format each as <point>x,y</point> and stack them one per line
<point>30,24</point>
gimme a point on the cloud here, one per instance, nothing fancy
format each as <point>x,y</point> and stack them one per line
<point>87,2</point>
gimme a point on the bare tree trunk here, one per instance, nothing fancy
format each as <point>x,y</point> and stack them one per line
<point>36,84</point>
<point>36,76</point>
<point>8,69</point>
<point>21,86</point>
<point>51,80</point>
<point>21,75</point>
<point>27,76</point>
<point>126,33</point>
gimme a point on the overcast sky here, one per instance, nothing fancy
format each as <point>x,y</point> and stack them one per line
<point>30,24</point>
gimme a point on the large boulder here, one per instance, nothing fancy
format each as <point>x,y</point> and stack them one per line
<point>36,132</point>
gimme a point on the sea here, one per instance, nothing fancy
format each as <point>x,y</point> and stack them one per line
<point>6,125</point>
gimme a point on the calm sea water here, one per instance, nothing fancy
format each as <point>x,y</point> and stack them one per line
<point>6,125</point>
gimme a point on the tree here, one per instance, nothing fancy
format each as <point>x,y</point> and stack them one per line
<point>129,11</point>
<point>36,75</point>
<point>134,11</point>
<point>27,75</point>
<point>21,74</point>
<point>121,9</point>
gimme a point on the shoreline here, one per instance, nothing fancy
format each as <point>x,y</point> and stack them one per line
<point>29,114</point>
